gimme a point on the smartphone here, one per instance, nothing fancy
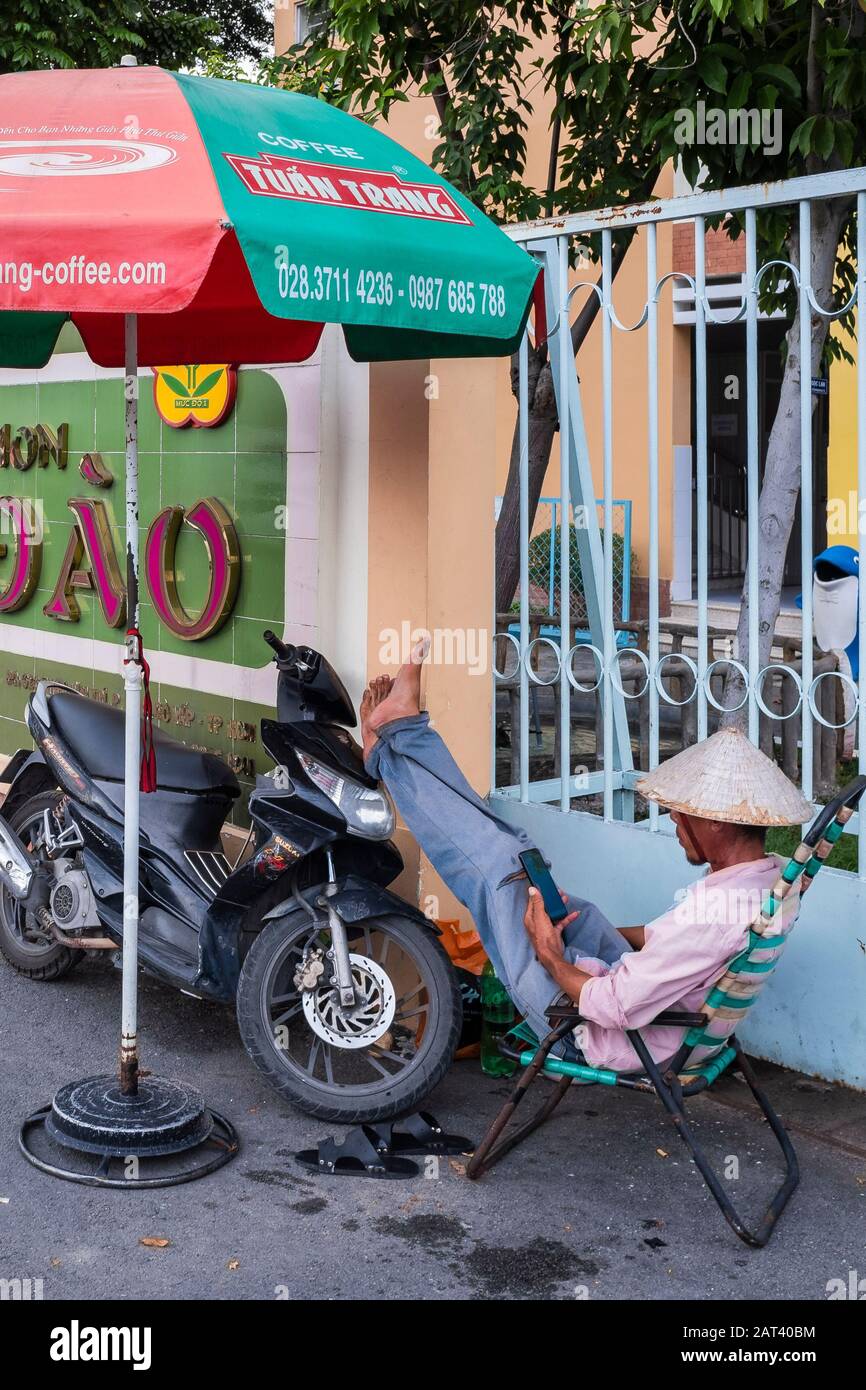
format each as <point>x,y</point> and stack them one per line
<point>539,876</point>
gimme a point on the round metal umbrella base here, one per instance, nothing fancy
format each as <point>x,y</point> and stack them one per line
<point>164,1134</point>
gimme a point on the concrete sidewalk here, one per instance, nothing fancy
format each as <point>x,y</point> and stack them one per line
<point>603,1204</point>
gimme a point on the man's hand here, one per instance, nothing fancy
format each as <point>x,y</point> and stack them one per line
<point>547,940</point>
<point>545,937</point>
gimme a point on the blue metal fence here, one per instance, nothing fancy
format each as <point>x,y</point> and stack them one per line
<point>549,243</point>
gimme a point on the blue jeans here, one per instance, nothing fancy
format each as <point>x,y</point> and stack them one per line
<point>473,851</point>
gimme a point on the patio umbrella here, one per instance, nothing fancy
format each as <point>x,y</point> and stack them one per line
<point>170,216</point>
<point>238,216</point>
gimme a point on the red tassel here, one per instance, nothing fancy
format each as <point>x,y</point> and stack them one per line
<point>540,309</point>
<point>147,782</point>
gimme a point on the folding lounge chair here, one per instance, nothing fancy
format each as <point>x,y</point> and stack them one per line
<point>727,1002</point>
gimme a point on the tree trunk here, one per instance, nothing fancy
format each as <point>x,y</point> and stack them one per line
<point>781,484</point>
<point>543,423</point>
<point>542,428</point>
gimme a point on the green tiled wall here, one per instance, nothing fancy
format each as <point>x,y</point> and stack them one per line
<point>241,462</point>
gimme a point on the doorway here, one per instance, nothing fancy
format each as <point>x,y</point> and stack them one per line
<point>727,463</point>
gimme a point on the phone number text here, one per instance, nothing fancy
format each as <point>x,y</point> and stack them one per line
<point>338,285</point>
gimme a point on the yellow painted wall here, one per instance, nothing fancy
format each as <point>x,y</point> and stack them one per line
<point>842,453</point>
<point>430,561</point>
<point>397,527</point>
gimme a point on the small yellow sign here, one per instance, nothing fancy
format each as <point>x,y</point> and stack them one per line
<point>201,395</point>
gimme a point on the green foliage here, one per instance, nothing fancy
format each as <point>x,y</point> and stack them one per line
<point>35,34</point>
<point>244,29</point>
<point>471,61</point>
<point>74,33</point>
<point>785,841</point>
<point>539,569</point>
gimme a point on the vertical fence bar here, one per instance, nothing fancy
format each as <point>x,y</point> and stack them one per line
<point>607,460</point>
<point>566,370</point>
<point>653,487</point>
<point>752,467</point>
<point>583,489</point>
<point>805,209</point>
<point>861,496</point>
<point>551,564</point>
<point>701,485</point>
<point>523,436</point>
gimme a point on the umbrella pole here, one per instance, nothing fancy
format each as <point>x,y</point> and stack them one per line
<point>162,1121</point>
<point>132,700</point>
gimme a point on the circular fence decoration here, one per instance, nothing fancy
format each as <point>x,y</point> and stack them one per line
<point>654,674</point>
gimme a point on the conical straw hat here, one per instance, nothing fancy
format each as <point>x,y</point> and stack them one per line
<point>726,778</point>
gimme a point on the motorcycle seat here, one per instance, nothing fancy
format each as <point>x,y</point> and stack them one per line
<point>94,732</point>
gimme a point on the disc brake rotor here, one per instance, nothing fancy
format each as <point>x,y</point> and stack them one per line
<point>369,1018</point>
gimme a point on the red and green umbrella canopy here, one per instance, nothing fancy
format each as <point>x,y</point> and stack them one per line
<point>235,220</point>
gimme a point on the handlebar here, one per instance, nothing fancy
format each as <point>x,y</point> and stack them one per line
<point>284,651</point>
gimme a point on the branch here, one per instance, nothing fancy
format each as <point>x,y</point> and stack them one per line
<point>441,94</point>
<point>814,103</point>
<point>552,164</point>
<point>587,316</point>
<point>556,130</point>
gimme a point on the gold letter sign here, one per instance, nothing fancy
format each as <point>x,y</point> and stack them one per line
<point>213,523</point>
<point>90,539</point>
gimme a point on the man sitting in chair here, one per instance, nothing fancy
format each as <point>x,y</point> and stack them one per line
<point>722,793</point>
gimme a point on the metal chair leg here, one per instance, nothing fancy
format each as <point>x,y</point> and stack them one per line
<point>669,1092</point>
<point>489,1151</point>
<point>792,1167</point>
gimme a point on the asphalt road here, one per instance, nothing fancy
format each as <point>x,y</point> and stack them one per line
<point>602,1204</point>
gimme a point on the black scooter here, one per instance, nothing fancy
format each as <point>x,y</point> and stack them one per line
<point>345,998</point>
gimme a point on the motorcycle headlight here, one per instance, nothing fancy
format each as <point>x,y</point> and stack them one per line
<point>367,811</point>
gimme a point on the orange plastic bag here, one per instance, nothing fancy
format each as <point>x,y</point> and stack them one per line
<point>464,947</point>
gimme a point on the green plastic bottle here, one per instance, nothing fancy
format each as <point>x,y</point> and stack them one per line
<point>497,1016</point>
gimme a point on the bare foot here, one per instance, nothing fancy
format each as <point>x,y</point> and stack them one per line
<point>400,698</point>
<point>376,692</point>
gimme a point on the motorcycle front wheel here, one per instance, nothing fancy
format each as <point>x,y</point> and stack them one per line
<point>380,1058</point>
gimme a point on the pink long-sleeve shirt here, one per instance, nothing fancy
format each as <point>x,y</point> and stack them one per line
<point>686,950</point>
